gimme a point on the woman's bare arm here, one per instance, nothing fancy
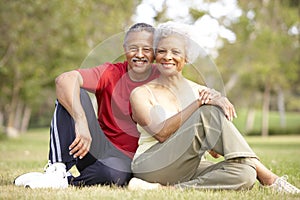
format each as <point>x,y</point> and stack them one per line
<point>144,114</point>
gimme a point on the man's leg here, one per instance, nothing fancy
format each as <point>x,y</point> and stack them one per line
<point>104,164</point>
<point>100,172</point>
<point>62,134</point>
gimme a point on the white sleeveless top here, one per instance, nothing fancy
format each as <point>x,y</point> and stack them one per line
<point>146,140</point>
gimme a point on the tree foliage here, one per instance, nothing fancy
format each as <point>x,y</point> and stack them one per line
<point>263,62</point>
<point>41,39</point>
<point>266,55</point>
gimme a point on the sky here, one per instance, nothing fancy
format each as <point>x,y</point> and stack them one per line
<point>209,30</point>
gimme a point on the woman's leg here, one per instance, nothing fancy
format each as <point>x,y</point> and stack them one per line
<point>177,159</point>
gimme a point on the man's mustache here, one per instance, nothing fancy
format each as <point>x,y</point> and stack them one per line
<point>139,59</point>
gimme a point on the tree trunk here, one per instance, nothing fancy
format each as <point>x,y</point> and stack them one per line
<point>25,119</point>
<point>18,115</point>
<point>1,122</point>
<point>265,110</point>
<point>11,130</point>
<point>232,82</point>
<point>281,107</point>
<point>250,120</point>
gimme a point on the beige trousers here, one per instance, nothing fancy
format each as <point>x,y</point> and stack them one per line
<point>177,161</point>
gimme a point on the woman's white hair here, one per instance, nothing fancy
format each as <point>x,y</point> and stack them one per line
<point>185,31</point>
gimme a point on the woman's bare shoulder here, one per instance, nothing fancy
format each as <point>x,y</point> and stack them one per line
<point>194,84</point>
<point>140,90</point>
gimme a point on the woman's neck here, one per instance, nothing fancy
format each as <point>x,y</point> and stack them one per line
<point>174,81</point>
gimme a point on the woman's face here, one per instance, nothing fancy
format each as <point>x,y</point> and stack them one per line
<point>170,54</point>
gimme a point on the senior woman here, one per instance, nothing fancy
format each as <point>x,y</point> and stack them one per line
<point>180,120</point>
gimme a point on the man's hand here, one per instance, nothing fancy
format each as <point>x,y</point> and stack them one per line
<point>213,97</point>
<point>204,95</point>
<point>82,143</point>
<point>226,106</point>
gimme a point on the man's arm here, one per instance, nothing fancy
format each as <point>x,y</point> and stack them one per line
<point>68,94</point>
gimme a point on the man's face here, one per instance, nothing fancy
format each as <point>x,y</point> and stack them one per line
<point>139,51</point>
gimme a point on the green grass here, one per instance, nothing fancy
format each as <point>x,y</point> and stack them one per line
<point>29,153</point>
<point>292,123</point>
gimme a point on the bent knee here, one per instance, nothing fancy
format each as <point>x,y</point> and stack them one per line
<point>119,178</point>
<point>248,177</point>
<point>210,111</point>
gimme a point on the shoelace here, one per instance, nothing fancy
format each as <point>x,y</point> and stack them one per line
<point>46,166</point>
<point>283,185</point>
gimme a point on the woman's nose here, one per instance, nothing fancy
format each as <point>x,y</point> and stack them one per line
<point>168,55</point>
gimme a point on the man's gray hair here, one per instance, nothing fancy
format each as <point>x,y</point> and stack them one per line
<point>139,27</point>
<point>183,30</point>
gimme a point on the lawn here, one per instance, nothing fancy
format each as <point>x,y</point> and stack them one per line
<point>29,153</point>
<point>292,123</point>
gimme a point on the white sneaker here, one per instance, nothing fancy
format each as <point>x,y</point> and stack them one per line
<point>23,179</point>
<point>139,184</point>
<point>282,185</point>
<point>54,177</point>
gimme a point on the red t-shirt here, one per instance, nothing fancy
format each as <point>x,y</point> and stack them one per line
<point>112,87</point>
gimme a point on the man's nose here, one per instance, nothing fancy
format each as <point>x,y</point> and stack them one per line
<point>140,53</point>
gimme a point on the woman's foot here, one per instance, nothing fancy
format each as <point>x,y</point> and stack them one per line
<point>139,184</point>
<point>282,185</point>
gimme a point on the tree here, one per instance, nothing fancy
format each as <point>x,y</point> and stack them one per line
<point>40,40</point>
<point>266,53</point>
<point>263,61</point>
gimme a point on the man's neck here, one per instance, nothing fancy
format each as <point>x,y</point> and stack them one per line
<point>139,77</point>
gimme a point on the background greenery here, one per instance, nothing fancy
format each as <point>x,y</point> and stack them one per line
<point>41,39</point>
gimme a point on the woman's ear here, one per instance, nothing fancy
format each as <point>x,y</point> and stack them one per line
<point>186,61</point>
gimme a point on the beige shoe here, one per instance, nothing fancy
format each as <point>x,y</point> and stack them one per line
<point>282,185</point>
<point>139,184</point>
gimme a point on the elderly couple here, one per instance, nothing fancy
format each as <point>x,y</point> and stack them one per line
<point>153,126</point>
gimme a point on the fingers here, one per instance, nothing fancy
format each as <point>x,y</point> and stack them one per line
<point>214,93</point>
<point>211,96</point>
<point>228,109</point>
<point>204,96</point>
<point>74,143</point>
<point>79,148</point>
<point>226,106</point>
<point>82,142</point>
